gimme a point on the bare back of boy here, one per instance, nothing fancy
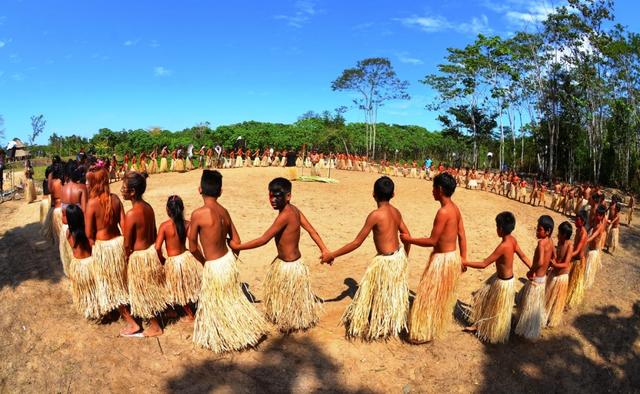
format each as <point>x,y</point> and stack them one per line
<point>387,224</point>
<point>542,258</point>
<point>579,243</point>
<point>447,225</point>
<point>287,239</point>
<point>211,224</point>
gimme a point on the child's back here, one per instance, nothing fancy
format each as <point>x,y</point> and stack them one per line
<point>212,224</point>
<point>387,221</point>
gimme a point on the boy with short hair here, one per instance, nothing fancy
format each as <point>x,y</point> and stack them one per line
<point>531,306</point>
<point>379,308</point>
<point>493,304</point>
<point>225,320</point>
<point>432,308</point>
<point>558,279</point>
<point>288,298</point>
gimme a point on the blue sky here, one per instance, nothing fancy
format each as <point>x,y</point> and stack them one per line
<point>140,63</point>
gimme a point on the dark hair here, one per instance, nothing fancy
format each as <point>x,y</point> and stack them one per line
<point>566,229</point>
<point>57,171</point>
<point>601,210</point>
<point>383,188</point>
<point>546,222</point>
<point>280,186</point>
<point>75,220</point>
<point>582,214</point>
<point>506,222</point>
<point>211,183</point>
<point>446,182</point>
<point>595,197</point>
<point>137,182</point>
<point>175,209</point>
<point>56,159</point>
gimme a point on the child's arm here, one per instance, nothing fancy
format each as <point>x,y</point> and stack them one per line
<point>436,231</point>
<point>522,256</point>
<point>595,234</point>
<point>90,224</point>
<point>493,257</point>
<point>192,235</point>
<point>276,227</point>
<point>405,230</point>
<point>576,251</point>
<point>312,232</point>
<point>462,239</point>
<point>128,232</point>
<point>353,245</point>
<point>159,242</point>
<point>539,262</point>
<point>233,234</point>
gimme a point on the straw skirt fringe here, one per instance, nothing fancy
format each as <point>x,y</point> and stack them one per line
<point>45,204</point>
<point>111,273</point>
<point>163,164</point>
<point>178,165</point>
<point>147,288</point>
<point>226,320</point>
<point>492,309</point>
<point>380,306</point>
<point>47,225</point>
<point>83,286</point>
<point>183,274</point>
<point>594,263</point>
<point>612,239</point>
<point>555,298</point>
<point>30,191</point>
<point>152,168</point>
<point>576,288</point>
<point>288,299</point>
<point>531,310</point>
<point>66,253</point>
<point>432,309</point>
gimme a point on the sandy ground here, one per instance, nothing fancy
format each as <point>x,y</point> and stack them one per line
<point>46,346</point>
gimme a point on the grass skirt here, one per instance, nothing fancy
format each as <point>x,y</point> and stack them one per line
<point>66,253</point>
<point>576,283</point>
<point>83,286</point>
<point>111,274</point>
<point>288,299</point>
<point>47,225</point>
<point>189,164</point>
<point>492,309</point>
<point>531,310</point>
<point>380,306</point>
<point>555,298</point>
<point>432,309</point>
<point>152,168</point>
<point>30,191</point>
<point>145,277</point>
<point>183,274</point>
<point>163,164</point>
<point>45,204</point>
<point>292,173</point>
<point>594,262</point>
<point>612,239</point>
<point>226,320</point>
<point>178,165</point>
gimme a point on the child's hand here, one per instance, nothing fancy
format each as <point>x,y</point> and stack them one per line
<point>327,257</point>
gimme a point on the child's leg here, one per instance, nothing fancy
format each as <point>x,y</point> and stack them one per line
<point>132,326</point>
<point>154,328</point>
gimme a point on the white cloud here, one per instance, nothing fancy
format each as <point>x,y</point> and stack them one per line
<point>304,10</point>
<point>154,44</point>
<point>521,13</point>
<point>404,57</point>
<point>130,43</point>
<point>438,23</point>
<point>160,71</point>
<point>2,44</point>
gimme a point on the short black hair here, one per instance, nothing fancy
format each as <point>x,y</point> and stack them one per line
<point>506,222</point>
<point>136,182</point>
<point>601,210</point>
<point>546,222</point>
<point>582,214</point>
<point>595,197</point>
<point>211,183</point>
<point>446,182</point>
<point>383,188</point>
<point>280,186</point>
<point>566,229</point>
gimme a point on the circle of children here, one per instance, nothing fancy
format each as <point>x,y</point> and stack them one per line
<point>115,260</point>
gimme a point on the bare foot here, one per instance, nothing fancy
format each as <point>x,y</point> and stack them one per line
<point>470,329</point>
<point>152,331</point>
<point>130,329</point>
